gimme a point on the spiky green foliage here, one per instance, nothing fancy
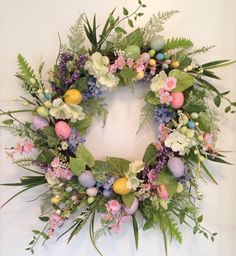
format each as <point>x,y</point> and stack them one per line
<point>179,42</point>
<point>26,71</point>
<point>155,25</point>
<point>204,49</point>
<point>146,116</point>
<point>76,36</point>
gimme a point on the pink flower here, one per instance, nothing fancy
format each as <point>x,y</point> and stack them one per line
<point>162,192</point>
<point>113,206</point>
<point>170,83</point>
<point>151,176</point>
<point>55,221</point>
<point>107,217</point>
<point>113,68</point>
<point>147,187</point>
<point>120,62</point>
<point>130,62</point>
<point>139,65</point>
<point>19,148</point>
<point>165,98</point>
<point>55,162</point>
<point>28,146</point>
<point>66,174</point>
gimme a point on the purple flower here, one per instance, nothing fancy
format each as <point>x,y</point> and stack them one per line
<point>93,91</point>
<point>75,139</point>
<point>163,114</point>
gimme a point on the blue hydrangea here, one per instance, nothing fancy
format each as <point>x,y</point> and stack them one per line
<point>163,114</point>
<point>93,91</point>
<point>74,140</point>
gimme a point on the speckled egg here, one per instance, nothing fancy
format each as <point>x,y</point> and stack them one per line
<point>177,100</point>
<point>157,44</point>
<point>145,57</point>
<point>176,166</point>
<point>134,207</point>
<point>91,191</point>
<point>86,179</point>
<point>38,122</point>
<point>62,130</point>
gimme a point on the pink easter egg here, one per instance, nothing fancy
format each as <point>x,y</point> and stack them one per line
<point>145,57</point>
<point>177,100</point>
<point>62,130</point>
<point>162,192</point>
<point>133,208</point>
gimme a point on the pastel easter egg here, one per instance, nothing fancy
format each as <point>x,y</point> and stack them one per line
<point>157,44</point>
<point>177,100</point>
<point>90,200</point>
<point>133,208</point>
<point>132,51</point>
<point>145,57</point>
<point>176,166</point>
<point>39,122</point>
<point>191,124</point>
<point>152,53</point>
<point>120,186</point>
<point>86,179</point>
<point>175,64</point>
<point>162,192</point>
<point>107,192</point>
<point>152,62</point>
<point>140,75</point>
<point>62,130</point>
<point>160,56</point>
<point>42,111</point>
<point>73,96</point>
<point>91,191</point>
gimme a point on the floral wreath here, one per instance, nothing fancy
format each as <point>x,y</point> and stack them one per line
<point>163,186</point>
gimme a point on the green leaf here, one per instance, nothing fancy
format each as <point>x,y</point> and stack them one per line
<point>204,122</point>
<point>210,74</point>
<point>140,14</point>
<point>200,219</point>
<point>130,22</point>
<point>227,109</point>
<point>45,156</point>
<point>175,43</point>
<point>44,219</point>
<point>77,166</point>
<point>184,80</point>
<point>52,138</point>
<point>165,178</point>
<point>213,63</point>
<point>81,84</point>
<point>150,155</point>
<point>207,85</point>
<point>217,100</point>
<point>194,104</point>
<point>85,155</point>
<point>217,159</point>
<point>128,199</point>
<point>172,188</point>
<point>136,231</point>
<point>120,30</point>
<point>127,73</point>
<point>8,121</point>
<point>134,38</point>
<point>146,116</point>
<point>100,169</point>
<point>208,173</point>
<point>125,11</point>
<point>151,98</point>
<point>83,125</point>
<point>118,166</point>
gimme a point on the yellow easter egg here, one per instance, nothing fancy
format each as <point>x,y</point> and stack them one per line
<point>175,64</point>
<point>120,186</point>
<point>55,200</point>
<point>152,62</point>
<point>73,96</point>
<point>140,75</point>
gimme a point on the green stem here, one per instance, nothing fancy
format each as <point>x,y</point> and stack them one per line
<point>15,111</point>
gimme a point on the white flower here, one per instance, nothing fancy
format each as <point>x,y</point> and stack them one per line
<point>97,65</point>
<point>136,166</point>
<point>158,82</point>
<point>133,182</point>
<point>61,110</point>
<point>178,142</point>
<point>109,80</point>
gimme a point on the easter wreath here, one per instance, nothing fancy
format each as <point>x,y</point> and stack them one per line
<point>163,186</point>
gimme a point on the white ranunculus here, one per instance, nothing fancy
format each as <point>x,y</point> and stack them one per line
<point>109,80</point>
<point>158,82</point>
<point>136,166</point>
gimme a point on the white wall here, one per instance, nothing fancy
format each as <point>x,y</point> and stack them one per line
<point>30,27</point>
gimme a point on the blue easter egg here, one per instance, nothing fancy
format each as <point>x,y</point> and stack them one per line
<point>86,179</point>
<point>160,56</point>
<point>176,166</point>
<point>191,124</point>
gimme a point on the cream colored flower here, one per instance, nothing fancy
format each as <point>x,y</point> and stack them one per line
<point>136,166</point>
<point>158,82</point>
<point>109,80</point>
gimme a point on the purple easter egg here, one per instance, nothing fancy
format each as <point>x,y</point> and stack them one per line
<point>86,179</point>
<point>134,207</point>
<point>39,122</point>
<point>63,130</point>
<point>176,166</point>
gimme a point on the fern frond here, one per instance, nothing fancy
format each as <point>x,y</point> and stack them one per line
<point>172,228</point>
<point>76,37</point>
<point>179,42</point>
<point>25,70</point>
<point>155,25</point>
<point>146,116</point>
<point>24,161</point>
